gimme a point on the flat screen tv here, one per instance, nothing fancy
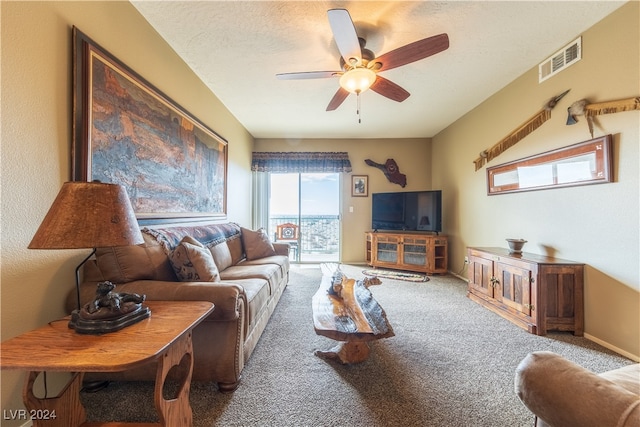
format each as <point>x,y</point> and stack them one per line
<point>407,210</point>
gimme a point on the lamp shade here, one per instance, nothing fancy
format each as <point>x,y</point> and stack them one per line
<point>88,215</point>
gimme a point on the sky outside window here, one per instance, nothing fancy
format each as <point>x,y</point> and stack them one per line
<point>319,194</point>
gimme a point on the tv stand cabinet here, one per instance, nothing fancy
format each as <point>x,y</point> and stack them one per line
<point>536,292</point>
<point>412,251</point>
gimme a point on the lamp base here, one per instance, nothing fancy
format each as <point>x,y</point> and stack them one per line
<point>97,326</point>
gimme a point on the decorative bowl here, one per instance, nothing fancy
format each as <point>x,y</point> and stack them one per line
<point>515,245</point>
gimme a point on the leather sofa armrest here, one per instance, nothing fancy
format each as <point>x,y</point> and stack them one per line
<point>561,393</point>
<point>225,296</point>
<point>281,248</point>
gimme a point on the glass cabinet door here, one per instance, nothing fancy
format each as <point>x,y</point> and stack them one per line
<point>387,249</point>
<point>414,251</point>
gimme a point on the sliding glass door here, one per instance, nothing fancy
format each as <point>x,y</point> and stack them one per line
<point>304,211</point>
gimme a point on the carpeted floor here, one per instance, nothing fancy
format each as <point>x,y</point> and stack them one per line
<point>451,363</point>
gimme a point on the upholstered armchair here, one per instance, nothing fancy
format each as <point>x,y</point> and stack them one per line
<point>561,393</point>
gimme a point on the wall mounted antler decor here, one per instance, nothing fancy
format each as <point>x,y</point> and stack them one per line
<point>523,130</point>
<point>590,111</point>
<point>391,171</point>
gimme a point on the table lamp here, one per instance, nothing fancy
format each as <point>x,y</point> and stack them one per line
<point>92,215</point>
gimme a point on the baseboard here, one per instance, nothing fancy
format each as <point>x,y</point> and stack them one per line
<point>612,347</point>
<point>458,276</point>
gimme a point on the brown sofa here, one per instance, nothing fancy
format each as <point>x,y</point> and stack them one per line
<point>244,276</point>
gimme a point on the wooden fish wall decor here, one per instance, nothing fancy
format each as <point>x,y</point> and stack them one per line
<point>522,131</point>
<point>590,111</point>
<point>391,171</point>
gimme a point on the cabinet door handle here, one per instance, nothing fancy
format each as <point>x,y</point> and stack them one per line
<point>494,282</point>
<point>530,307</point>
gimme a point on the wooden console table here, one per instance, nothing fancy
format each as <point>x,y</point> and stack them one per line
<point>165,337</point>
<point>354,318</point>
<point>536,292</point>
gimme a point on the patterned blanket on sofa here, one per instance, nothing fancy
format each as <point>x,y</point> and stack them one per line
<point>208,235</point>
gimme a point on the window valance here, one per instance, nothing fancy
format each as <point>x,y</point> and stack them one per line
<point>300,162</point>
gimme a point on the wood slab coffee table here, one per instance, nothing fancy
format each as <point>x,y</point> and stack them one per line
<point>164,337</point>
<point>353,317</point>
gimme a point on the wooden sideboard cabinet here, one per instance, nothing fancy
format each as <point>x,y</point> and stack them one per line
<point>537,293</point>
<point>412,251</point>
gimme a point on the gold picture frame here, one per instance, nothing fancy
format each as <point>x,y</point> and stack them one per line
<point>359,185</point>
<point>585,163</point>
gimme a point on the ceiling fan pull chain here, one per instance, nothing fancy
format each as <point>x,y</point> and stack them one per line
<point>358,106</point>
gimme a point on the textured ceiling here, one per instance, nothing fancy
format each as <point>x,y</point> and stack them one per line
<point>237,48</point>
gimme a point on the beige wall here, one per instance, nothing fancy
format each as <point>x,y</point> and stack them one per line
<point>36,142</point>
<point>598,224</point>
<point>412,155</point>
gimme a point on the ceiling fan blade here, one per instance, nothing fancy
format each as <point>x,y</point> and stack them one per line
<point>389,89</point>
<point>345,36</point>
<point>337,99</point>
<point>410,53</point>
<point>308,75</point>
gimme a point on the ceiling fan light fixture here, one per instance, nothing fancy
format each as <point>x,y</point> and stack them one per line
<point>357,80</point>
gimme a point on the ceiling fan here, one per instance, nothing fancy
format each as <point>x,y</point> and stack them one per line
<point>360,67</point>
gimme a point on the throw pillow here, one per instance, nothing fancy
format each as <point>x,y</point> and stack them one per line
<point>192,262</point>
<point>123,264</point>
<point>256,244</point>
<point>221,256</point>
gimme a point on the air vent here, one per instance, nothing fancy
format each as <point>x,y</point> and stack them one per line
<point>568,55</point>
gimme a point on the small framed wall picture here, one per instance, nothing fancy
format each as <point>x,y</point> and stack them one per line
<point>359,185</point>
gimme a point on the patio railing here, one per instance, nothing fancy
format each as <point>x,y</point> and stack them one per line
<point>319,235</point>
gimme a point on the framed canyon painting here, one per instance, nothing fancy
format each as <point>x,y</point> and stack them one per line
<point>128,132</point>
